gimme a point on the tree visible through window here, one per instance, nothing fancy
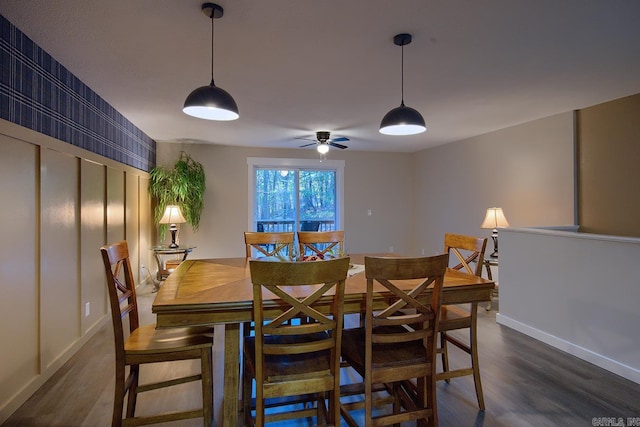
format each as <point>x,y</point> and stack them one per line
<point>295,199</point>
<point>295,194</point>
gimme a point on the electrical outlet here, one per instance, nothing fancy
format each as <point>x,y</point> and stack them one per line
<point>422,251</point>
<point>369,212</point>
<point>87,309</point>
<point>391,249</point>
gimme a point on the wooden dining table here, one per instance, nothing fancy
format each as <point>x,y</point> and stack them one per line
<point>219,292</point>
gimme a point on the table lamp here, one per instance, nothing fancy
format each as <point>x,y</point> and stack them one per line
<point>172,215</point>
<point>495,218</point>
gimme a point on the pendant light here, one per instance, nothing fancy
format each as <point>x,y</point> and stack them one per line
<point>402,120</point>
<point>211,102</point>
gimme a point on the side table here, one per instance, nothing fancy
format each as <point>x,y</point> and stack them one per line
<point>488,263</point>
<point>169,258</point>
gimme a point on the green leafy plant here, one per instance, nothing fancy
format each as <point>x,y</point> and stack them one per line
<point>182,185</point>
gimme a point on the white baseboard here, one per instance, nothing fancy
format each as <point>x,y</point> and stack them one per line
<point>599,360</point>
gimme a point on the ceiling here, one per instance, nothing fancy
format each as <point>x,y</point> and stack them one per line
<point>298,66</point>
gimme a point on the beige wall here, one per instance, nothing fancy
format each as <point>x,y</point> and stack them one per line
<point>381,182</point>
<point>609,170</point>
<point>527,169</point>
<point>58,204</point>
<point>414,198</point>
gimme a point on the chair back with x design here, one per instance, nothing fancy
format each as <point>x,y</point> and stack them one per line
<point>269,244</point>
<point>468,251</point>
<point>321,244</point>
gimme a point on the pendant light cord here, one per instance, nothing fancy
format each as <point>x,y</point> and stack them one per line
<point>212,13</point>
<point>402,78</point>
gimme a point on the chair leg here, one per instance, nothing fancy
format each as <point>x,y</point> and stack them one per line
<point>397,404</point>
<point>207,394</point>
<point>423,397</point>
<point>118,398</point>
<point>334,407</point>
<point>473,341</point>
<point>430,398</point>
<point>444,354</point>
<point>321,410</point>
<point>134,375</point>
<point>368,404</point>
<point>259,405</point>
<point>246,394</point>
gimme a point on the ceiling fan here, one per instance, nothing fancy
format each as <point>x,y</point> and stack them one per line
<point>323,141</point>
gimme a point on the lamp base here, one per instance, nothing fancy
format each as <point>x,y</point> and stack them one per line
<point>494,237</point>
<point>173,231</point>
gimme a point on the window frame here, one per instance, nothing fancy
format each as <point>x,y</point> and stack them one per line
<point>337,166</point>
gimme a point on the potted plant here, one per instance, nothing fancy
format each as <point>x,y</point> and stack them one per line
<point>182,185</point>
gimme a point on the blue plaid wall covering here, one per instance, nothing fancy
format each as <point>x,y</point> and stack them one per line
<point>40,94</point>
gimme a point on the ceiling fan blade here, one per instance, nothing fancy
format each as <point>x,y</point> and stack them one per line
<point>333,144</point>
<point>306,138</point>
<point>306,145</point>
<point>340,139</point>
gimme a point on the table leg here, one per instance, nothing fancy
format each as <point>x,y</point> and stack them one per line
<point>231,374</point>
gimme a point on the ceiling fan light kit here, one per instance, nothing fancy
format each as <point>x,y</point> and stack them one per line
<point>211,102</point>
<point>402,120</point>
<point>323,148</point>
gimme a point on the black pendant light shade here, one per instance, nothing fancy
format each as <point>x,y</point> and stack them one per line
<point>211,102</point>
<point>402,120</point>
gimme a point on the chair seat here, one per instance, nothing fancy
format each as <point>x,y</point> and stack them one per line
<point>147,339</point>
<point>288,367</point>
<point>453,317</point>
<point>383,355</point>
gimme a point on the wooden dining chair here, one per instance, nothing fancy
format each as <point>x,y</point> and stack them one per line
<point>398,342</point>
<point>269,244</point>
<point>295,359</point>
<point>467,253</point>
<point>277,245</point>
<point>137,344</point>
<point>321,244</point>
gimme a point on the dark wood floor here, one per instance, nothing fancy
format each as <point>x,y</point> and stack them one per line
<point>526,383</point>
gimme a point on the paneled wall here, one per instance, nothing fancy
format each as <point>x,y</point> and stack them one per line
<point>19,272</point>
<point>58,205</point>
<point>92,226</point>
<point>65,190</point>
<point>59,253</point>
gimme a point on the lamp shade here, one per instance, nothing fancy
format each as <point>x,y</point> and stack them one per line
<point>172,215</point>
<point>402,120</point>
<point>211,103</point>
<point>494,219</point>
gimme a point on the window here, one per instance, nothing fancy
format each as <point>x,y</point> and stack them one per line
<point>295,194</point>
